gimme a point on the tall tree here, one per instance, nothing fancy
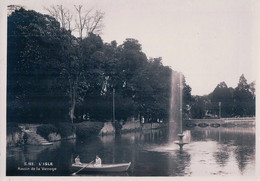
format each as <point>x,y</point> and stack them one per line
<point>92,23</point>
<point>199,107</point>
<point>47,64</point>
<point>78,52</point>
<point>222,98</point>
<point>62,15</point>
<point>244,100</point>
<point>85,21</point>
<point>32,59</point>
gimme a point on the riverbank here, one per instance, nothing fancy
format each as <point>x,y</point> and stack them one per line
<point>224,122</point>
<point>45,134</point>
<point>19,134</point>
<point>209,148</point>
<point>130,126</point>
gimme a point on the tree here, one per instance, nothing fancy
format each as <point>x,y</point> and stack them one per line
<point>244,100</point>
<point>86,21</point>
<point>199,107</point>
<point>91,23</point>
<point>187,100</point>
<point>12,8</point>
<point>33,72</point>
<point>62,15</point>
<point>224,96</point>
<point>44,59</point>
<point>48,65</point>
<point>78,52</point>
<point>83,70</point>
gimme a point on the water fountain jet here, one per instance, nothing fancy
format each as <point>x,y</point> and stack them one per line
<point>181,143</point>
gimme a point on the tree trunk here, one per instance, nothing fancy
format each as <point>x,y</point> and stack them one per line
<point>73,103</point>
<point>72,111</point>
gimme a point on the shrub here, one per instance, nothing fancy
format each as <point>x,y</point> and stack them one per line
<point>13,128</point>
<point>65,129</point>
<point>45,130</point>
<point>87,129</point>
<point>14,134</point>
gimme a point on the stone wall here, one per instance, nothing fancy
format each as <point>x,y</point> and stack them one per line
<point>153,125</point>
<point>107,129</point>
<point>30,127</point>
<point>131,126</point>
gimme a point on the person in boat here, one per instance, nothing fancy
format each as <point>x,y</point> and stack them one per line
<point>98,162</point>
<point>77,160</point>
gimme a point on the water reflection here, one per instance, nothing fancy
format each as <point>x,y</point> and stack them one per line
<point>211,151</point>
<point>232,149</point>
<point>179,163</point>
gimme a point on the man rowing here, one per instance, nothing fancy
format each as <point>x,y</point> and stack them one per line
<point>98,162</point>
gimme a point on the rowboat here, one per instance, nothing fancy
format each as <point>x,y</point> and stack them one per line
<point>121,167</point>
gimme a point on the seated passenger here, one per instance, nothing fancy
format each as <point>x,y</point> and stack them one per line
<point>77,160</point>
<point>98,162</point>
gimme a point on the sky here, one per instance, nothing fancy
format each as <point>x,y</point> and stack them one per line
<point>209,41</point>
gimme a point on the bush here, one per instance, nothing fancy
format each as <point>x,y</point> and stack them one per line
<point>45,130</point>
<point>14,134</point>
<point>65,129</point>
<point>87,129</point>
<point>13,128</point>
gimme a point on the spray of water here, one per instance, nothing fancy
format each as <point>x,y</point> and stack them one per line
<point>175,112</point>
<point>175,115</point>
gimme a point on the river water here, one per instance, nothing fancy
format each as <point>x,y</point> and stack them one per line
<point>210,151</point>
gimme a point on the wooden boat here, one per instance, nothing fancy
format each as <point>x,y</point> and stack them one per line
<point>121,167</point>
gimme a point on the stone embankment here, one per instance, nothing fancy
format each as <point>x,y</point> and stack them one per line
<point>27,133</point>
<point>224,122</point>
<point>107,129</point>
<point>129,126</point>
<point>35,139</point>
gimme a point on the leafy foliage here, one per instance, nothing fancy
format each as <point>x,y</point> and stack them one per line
<point>12,128</point>
<point>65,129</point>
<point>33,44</point>
<point>224,96</point>
<point>87,129</point>
<point>238,102</point>
<point>244,99</point>
<point>45,130</point>
<point>54,76</point>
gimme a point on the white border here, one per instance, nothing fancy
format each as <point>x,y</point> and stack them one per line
<point>3,47</point>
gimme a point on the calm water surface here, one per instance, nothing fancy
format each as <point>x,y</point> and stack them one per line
<point>211,151</point>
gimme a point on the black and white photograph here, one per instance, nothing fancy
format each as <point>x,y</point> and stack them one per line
<point>129,89</point>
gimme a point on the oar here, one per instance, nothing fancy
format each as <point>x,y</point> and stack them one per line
<point>81,168</point>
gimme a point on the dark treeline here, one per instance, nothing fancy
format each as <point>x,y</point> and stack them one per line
<point>54,76</point>
<point>226,101</point>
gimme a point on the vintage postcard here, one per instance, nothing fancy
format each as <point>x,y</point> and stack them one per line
<point>129,89</point>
